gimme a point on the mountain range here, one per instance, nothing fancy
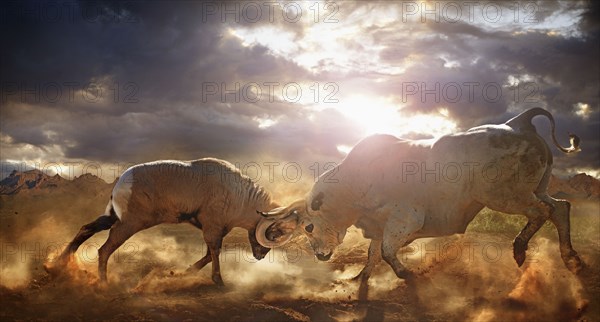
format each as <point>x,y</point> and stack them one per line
<point>580,186</point>
<point>35,181</point>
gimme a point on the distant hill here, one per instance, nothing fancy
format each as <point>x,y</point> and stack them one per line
<point>33,199</point>
<point>580,186</point>
<point>35,181</point>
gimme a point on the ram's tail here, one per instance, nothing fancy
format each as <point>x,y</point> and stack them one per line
<point>523,122</point>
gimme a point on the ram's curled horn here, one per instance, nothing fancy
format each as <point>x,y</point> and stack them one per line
<point>271,238</point>
<point>264,214</point>
<point>275,213</point>
<point>277,226</point>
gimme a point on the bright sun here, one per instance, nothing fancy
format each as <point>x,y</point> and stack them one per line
<point>379,115</point>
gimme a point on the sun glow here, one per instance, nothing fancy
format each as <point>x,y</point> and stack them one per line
<point>264,123</point>
<point>373,115</point>
<point>379,115</point>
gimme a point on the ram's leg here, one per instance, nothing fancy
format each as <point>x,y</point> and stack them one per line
<point>401,224</point>
<point>561,219</point>
<point>373,259</point>
<point>101,223</point>
<point>202,262</point>
<point>119,233</point>
<point>214,241</point>
<point>216,268</point>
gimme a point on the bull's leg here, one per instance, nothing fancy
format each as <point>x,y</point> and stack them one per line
<point>537,211</point>
<point>521,241</point>
<point>101,223</point>
<point>560,218</point>
<point>373,259</point>
<point>401,224</point>
<point>119,233</point>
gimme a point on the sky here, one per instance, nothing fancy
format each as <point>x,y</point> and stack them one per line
<point>284,88</point>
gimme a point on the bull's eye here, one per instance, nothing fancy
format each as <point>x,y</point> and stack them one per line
<point>309,228</point>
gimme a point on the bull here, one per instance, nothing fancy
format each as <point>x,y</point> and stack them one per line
<point>396,190</point>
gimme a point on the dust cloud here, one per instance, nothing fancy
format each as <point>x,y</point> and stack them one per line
<point>461,277</point>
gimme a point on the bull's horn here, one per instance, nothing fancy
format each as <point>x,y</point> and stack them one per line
<point>271,241</point>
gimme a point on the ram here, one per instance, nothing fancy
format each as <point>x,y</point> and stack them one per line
<point>210,194</point>
<point>396,191</point>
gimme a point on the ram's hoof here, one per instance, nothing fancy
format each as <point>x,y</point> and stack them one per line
<point>573,263</point>
<point>51,269</point>
<point>519,252</point>
<point>356,278</point>
<point>56,267</point>
<point>218,280</point>
<point>406,275</point>
<point>363,292</point>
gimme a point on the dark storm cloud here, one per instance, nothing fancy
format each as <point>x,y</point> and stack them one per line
<point>591,17</point>
<point>555,72</point>
<point>552,61</point>
<point>155,62</point>
<point>167,51</point>
<point>167,55</point>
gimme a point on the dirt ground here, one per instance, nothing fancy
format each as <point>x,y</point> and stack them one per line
<point>462,277</point>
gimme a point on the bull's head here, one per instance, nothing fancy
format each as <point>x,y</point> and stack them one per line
<point>307,216</point>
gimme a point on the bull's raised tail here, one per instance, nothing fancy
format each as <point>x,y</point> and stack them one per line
<point>523,122</point>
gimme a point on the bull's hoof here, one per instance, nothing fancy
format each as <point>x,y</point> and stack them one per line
<point>573,263</point>
<point>519,257</point>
